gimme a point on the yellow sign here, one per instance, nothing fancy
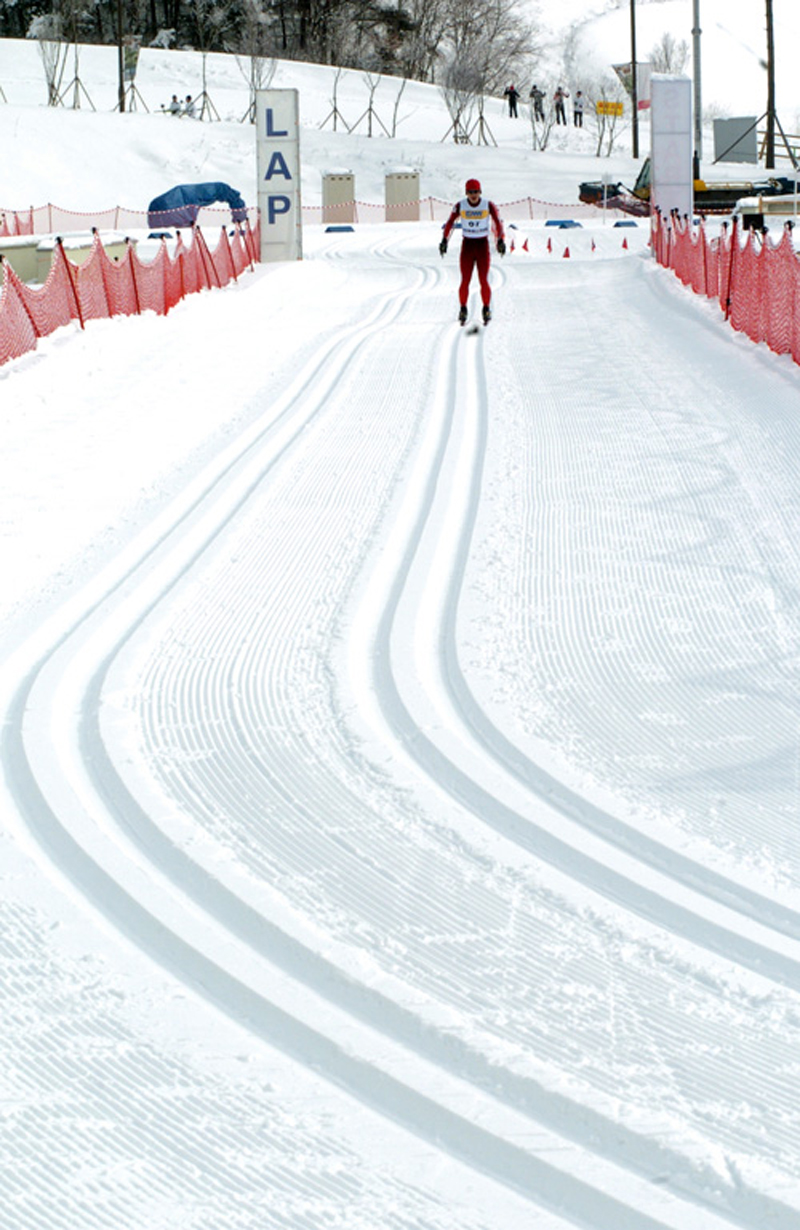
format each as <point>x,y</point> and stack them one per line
<point>608,108</point>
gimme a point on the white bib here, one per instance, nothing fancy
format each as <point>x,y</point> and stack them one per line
<point>475,219</point>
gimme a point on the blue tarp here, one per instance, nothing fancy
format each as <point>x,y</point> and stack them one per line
<point>180,206</point>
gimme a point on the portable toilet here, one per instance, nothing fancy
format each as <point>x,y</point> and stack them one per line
<point>402,195</point>
<point>338,196</point>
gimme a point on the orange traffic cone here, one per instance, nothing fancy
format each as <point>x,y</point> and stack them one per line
<point>625,244</point>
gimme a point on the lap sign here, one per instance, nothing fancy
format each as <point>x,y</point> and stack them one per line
<point>278,163</point>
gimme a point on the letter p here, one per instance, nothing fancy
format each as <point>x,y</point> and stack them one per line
<point>277,205</point>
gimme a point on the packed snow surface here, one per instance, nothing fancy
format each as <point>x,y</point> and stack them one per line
<point>400,752</point>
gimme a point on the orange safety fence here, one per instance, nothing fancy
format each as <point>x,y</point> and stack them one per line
<point>52,220</point>
<point>102,287</point>
<point>434,209</point>
<point>755,282</point>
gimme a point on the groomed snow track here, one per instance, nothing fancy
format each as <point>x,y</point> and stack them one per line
<point>392,740</point>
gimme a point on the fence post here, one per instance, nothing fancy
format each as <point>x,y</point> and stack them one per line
<point>230,254</point>
<point>71,277</point>
<point>247,238</point>
<point>195,229</point>
<point>131,260</point>
<point>205,254</point>
<point>102,257</point>
<point>788,227</point>
<point>734,246</point>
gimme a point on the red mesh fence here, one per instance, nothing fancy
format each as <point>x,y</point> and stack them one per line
<point>756,282</point>
<point>432,209</point>
<point>102,286</point>
<point>53,220</point>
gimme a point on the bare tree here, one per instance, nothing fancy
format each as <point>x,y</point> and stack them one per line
<point>47,29</point>
<point>491,39</point>
<point>669,55</point>
<point>211,21</point>
<point>255,43</point>
<point>334,113</point>
<point>461,86</point>
<point>607,118</point>
<point>419,56</point>
<point>396,107</point>
<point>371,115</point>
<point>485,45</point>
<point>541,130</point>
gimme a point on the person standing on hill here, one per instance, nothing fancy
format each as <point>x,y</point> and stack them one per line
<point>479,218</point>
<point>538,102</point>
<point>577,109</point>
<point>512,94</point>
<point>558,100</point>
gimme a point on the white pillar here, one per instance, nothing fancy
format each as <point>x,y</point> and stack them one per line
<point>278,163</point>
<point>671,137</point>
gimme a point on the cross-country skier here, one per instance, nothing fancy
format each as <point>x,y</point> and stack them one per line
<point>478,218</point>
<point>512,94</point>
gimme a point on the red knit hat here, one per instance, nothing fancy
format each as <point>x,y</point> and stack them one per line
<point>473,185</point>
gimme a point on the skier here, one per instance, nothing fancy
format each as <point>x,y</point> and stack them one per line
<point>478,218</point>
<point>512,94</point>
<point>538,102</point>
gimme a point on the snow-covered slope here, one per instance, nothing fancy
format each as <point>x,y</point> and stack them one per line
<point>399,756</point>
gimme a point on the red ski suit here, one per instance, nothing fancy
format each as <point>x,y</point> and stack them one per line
<point>476,223</point>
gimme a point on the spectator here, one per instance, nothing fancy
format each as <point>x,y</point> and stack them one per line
<point>174,106</point>
<point>577,109</point>
<point>188,107</point>
<point>512,94</point>
<point>558,99</point>
<point>538,102</point>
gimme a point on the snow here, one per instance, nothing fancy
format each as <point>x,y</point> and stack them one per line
<point>400,744</point>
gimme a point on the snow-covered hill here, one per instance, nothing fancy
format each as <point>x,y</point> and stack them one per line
<point>82,160</point>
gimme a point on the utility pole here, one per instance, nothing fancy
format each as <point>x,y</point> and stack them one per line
<point>120,59</point>
<point>634,84</point>
<point>698,102</point>
<point>770,145</point>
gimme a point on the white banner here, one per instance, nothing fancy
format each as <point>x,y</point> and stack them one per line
<point>671,148</point>
<point>278,163</point>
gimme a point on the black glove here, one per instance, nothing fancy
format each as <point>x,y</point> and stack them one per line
<point>501,246</point>
<point>443,247</point>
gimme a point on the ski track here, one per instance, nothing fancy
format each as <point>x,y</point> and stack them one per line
<point>330,757</point>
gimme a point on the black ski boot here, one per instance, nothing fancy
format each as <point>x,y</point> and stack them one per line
<point>462,315</point>
<point>487,313</point>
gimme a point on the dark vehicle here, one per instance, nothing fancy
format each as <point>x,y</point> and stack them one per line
<point>709,198</point>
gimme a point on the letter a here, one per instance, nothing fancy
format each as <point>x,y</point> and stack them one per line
<point>277,166</point>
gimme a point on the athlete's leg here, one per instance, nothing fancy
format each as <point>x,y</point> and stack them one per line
<point>483,262</point>
<point>467,263</point>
